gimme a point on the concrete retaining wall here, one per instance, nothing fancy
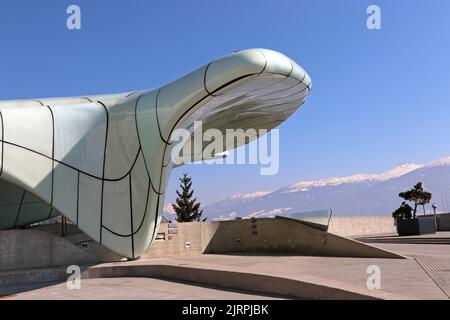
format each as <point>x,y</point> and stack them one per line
<point>362,226</point>
<point>266,236</point>
<point>375,225</point>
<point>31,248</point>
<point>186,241</point>
<point>27,249</point>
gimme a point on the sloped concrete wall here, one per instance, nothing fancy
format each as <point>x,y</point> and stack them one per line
<point>281,236</point>
<point>27,249</point>
<point>264,236</point>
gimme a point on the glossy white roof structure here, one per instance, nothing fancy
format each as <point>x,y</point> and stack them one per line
<point>103,161</point>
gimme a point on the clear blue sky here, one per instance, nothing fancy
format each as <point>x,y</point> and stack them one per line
<point>380,98</point>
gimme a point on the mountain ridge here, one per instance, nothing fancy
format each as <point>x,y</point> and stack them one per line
<point>357,194</point>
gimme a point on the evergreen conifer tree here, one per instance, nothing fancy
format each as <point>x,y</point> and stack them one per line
<point>187,208</point>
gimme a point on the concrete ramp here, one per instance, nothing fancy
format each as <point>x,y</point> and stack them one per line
<point>283,236</point>
<point>258,236</point>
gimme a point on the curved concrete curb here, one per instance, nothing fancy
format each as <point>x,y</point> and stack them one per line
<point>298,286</point>
<point>301,287</point>
<point>405,240</point>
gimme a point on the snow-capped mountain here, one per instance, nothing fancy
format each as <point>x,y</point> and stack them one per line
<point>360,194</point>
<point>357,178</point>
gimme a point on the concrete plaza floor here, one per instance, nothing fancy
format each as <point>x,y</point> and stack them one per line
<point>425,274</point>
<point>135,288</point>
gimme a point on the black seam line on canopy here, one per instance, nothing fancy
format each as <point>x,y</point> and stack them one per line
<point>130,94</point>
<point>283,90</point>
<point>50,214</point>
<point>72,167</point>
<point>279,98</point>
<point>142,220</point>
<point>51,104</point>
<point>292,68</point>
<point>107,179</point>
<point>286,89</point>
<point>18,211</point>
<point>157,117</point>
<point>137,153</point>
<point>58,161</point>
<point>146,207</point>
<point>78,195</point>
<point>39,101</point>
<point>237,79</point>
<point>103,174</point>
<point>106,144</point>
<point>274,99</point>
<point>90,100</point>
<point>208,95</point>
<point>163,165</point>
<point>300,80</point>
<point>53,162</point>
<point>279,121</point>
<point>275,82</point>
<point>68,165</point>
<point>287,103</point>
<point>81,171</point>
<point>2,160</point>
<point>292,108</point>
<point>286,77</point>
<point>176,123</point>
<point>87,98</point>
<point>140,144</point>
<point>204,77</point>
<point>156,217</point>
<point>65,164</point>
<point>211,93</point>
<point>270,93</point>
<point>131,214</point>
<point>53,156</point>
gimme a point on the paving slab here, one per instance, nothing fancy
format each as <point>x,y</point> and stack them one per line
<point>425,274</point>
<point>403,276</point>
<point>136,288</point>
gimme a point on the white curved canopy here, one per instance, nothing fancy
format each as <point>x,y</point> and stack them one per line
<point>103,161</point>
